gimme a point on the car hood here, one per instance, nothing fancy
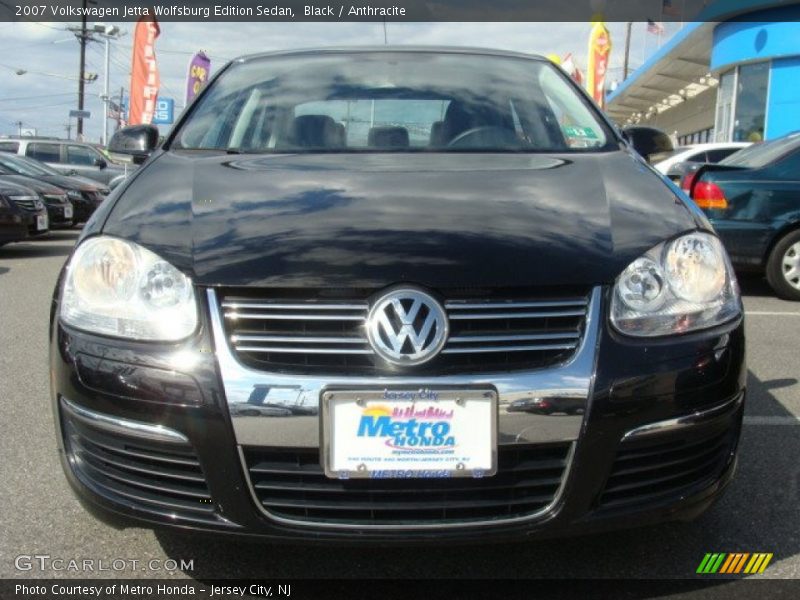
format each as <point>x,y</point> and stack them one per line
<point>371,220</point>
<point>71,182</point>
<point>37,185</point>
<point>10,188</point>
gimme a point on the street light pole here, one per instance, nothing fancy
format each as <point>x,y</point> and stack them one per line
<point>105,90</point>
<point>108,33</point>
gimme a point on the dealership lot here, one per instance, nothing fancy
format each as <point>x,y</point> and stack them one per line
<point>39,515</point>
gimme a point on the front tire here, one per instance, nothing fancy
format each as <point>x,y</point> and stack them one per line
<point>783,267</point>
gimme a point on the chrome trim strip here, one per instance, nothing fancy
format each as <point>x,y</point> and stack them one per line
<point>309,306</point>
<point>282,409</point>
<point>123,426</point>
<point>456,305</point>
<point>297,339</point>
<point>467,339</point>
<point>542,512</point>
<point>684,421</point>
<point>515,315</point>
<point>484,349</point>
<point>292,317</point>
<point>301,350</point>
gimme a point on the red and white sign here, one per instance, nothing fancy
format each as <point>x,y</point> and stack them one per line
<point>144,72</point>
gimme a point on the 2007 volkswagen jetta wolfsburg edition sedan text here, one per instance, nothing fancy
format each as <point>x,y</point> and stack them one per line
<point>395,295</point>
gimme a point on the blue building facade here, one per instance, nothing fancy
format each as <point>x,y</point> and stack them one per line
<point>758,61</point>
<point>732,75</point>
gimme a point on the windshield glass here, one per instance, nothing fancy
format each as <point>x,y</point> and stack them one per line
<point>395,102</point>
<point>761,154</point>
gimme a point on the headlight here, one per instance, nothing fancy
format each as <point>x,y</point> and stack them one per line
<point>74,195</point>
<point>114,287</point>
<point>677,287</point>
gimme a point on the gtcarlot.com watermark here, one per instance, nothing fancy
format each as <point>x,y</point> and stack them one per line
<point>44,563</point>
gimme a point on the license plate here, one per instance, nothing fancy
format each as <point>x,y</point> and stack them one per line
<point>409,433</point>
<point>41,222</point>
<point>67,212</point>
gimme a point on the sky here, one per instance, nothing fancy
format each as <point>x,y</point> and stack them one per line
<point>42,97</point>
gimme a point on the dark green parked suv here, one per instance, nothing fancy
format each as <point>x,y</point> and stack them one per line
<point>753,200</point>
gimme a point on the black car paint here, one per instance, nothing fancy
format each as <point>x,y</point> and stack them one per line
<point>374,220</point>
<point>55,207</point>
<point>435,220</point>
<point>17,223</point>
<point>89,193</point>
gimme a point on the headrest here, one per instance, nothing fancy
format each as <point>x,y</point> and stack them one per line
<point>388,137</point>
<point>315,131</point>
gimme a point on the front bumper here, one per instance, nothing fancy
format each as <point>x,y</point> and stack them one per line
<point>656,441</point>
<point>57,212</point>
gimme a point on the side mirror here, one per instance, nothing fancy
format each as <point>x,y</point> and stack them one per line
<point>647,140</point>
<point>136,142</point>
<point>100,163</point>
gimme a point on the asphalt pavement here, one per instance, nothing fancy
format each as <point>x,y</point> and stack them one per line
<point>39,515</point>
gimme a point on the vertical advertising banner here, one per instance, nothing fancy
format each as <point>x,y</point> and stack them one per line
<point>599,51</point>
<point>199,71</point>
<point>144,72</point>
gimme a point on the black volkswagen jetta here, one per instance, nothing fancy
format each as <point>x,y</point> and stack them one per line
<point>316,310</point>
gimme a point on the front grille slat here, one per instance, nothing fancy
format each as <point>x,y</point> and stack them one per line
<point>289,331</point>
<point>645,470</point>
<point>137,467</point>
<point>514,315</point>
<point>154,476</point>
<point>291,484</point>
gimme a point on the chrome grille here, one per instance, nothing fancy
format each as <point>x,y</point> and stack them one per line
<point>308,335</point>
<point>30,203</point>
<point>56,198</point>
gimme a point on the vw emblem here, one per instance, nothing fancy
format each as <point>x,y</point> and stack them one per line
<point>407,327</point>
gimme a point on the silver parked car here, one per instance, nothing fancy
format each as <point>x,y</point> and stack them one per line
<point>67,156</point>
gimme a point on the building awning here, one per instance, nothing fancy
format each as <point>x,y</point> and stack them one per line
<point>677,71</point>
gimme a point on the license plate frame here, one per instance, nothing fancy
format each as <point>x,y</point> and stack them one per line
<point>476,408</point>
<point>41,222</point>
<point>68,212</point>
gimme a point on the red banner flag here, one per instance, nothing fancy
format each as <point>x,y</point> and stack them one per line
<point>144,72</point>
<point>599,50</point>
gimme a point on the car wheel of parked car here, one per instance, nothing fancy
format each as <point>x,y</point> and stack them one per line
<point>783,267</point>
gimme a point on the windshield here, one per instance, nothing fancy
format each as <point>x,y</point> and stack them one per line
<point>23,166</point>
<point>395,102</point>
<point>761,154</point>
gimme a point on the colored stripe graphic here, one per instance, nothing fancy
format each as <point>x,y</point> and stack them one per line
<point>758,563</point>
<point>733,563</point>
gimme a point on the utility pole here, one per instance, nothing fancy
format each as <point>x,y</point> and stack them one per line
<point>68,127</point>
<point>627,50</point>
<point>82,39</point>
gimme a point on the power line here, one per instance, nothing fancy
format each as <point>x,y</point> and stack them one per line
<point>35,97</point>
<point>26,108</point>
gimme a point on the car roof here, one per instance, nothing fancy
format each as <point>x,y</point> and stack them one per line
<point>712,145</point>
<point>390,49</point>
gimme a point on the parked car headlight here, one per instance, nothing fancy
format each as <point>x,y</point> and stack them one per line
<point>679,286</point>
<point>118,288</point>
<point>74,195</point>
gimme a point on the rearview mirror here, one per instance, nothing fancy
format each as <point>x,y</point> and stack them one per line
<point>136,142</point>
<point>647,140</point>
<point>100,163</point>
